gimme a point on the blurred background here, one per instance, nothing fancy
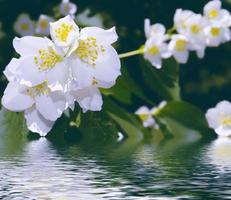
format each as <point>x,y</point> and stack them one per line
<point>203,82</point>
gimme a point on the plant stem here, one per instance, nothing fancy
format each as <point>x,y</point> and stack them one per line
<point>132,53</point>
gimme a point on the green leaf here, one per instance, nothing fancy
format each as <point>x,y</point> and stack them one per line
<point>186,114</point>
<point>164,81</point>
<point>125,89</point>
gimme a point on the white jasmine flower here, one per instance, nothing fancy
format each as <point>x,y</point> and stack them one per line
<point>43,25</point>
<point>24,25</point>
<point>180,20</point>
<point>155,49</point>
<point>146,117</point>
<point>65,34</point>
<point>95,62</point>
<point>155,30</point>
<point>67,8</point>
<point>40,106</point>
<point>40,61</point>
<point>156,110</point>
<point>219,118</point>
<point>195,32</point>
<point>179,46</point>
<point>216,35</point>
<point>214,13</point>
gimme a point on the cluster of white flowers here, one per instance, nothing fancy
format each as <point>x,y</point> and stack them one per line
<point>147,116</point>
<point>195,32</point>
<point>25,26</point>
<point>219,118</point>
<point>51,75</point>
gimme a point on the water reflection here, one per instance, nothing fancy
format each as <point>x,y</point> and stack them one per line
<point>219,154</point>
<point>85,169</point>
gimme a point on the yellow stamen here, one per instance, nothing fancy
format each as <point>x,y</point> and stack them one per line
<point>47,59</point>
<point>213,14</point>
<point>154,50</point>
<point>63,31</point>
<point>38,90</point>
<point>94,82</point>
<point>195,29</point>
<point>143,117</point>
<point>25,27</point>
<point>43,24</point>
<point>88,50</point>
<point>180,45</point>
<point>226,121</point>
<point>215,31</point>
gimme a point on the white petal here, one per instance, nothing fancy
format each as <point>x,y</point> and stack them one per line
<point>103,37</point>
<point>36,123</point>
<point>108,66</point>
<point>181,57</point>
<point>50,108</point>
<point>89,99</point>
<point>58,76</point>
<point>11,69</point>
<point>212,116</point>
<point>29,45</point>
<point>147,27</point>
<point>82,72</point>
<point>29,74</point>
<point>15,98</point>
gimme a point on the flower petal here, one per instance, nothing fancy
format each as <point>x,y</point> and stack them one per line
<point>103,37</point>
<point>108,66</point>
<point>50,108</point>
<point>29,45</point>
<point>89,99</point>
<point>11,69</point>
<point>36,123</point>
<point>15,98</point>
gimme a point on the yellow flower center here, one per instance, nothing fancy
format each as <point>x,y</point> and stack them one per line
<point>215,31</point>
<point>43,24</point>
<point>94,81</point>
<point>25,27</point>
<point>154,50</point>
<point>47,59</point>
<point>180,45</point>
<point>143,117</point>
<point>38,90</point>
<point>226,121</point>
<point>88,50</point>
<point>195,29</point>
<point>213,14</point>
<point>63,31</point>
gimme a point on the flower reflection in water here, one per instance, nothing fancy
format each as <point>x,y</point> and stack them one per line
<point>220,154</point>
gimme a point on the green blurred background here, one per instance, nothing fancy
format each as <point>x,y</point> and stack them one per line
<point>203,82</point>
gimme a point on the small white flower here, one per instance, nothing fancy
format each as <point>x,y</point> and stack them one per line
<point>65,34</point>
<point>40,106</point>
<point>40,61</point>
<point>179,46</point>
<point>146,117</point>
<point>24,25</point>
<point>94,64</point>
<point>180,20</point>
<point>219,118</point>
<point>216,35</point>
<point>155,30</point>
<point>43,25</point>
<point>214,13</point>
<point>155,49</point>
<point>195,32</point>
<point>67,8</point>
